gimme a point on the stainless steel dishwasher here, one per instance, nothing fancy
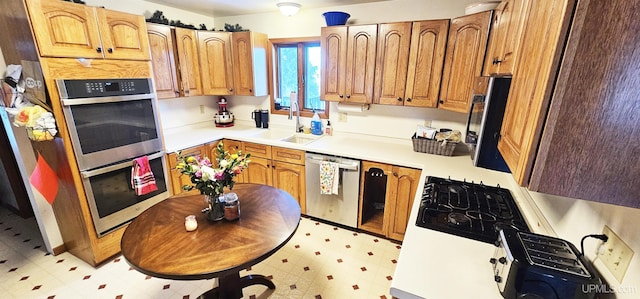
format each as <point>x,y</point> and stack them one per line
<point>341,208</point>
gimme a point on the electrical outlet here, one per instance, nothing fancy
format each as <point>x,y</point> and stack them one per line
<point>342,117</point>
<point>201,109</point>
<point>616,254</point>
<point>427,123</point>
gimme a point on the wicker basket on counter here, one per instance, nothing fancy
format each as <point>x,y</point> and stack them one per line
<point>432,146</point>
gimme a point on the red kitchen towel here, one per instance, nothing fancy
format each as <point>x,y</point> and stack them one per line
<point>142,179</point>
<point>45,180</point>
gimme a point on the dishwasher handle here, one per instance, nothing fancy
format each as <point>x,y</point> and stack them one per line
<point>350,166</point>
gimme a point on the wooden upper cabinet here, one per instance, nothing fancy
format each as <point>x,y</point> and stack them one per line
<point>391,63</point>
<point>417,80</point>
<point>123,35</point>
<point>250,63</point>
<point>163,61</point>
<point>64,29</point>
<point>348,63</point>
<point>426,60</point>
<point>216,62</point>
<point>189,65</point>
<point>464,57</point>
<point>504,39</point>
<point>532,84</point>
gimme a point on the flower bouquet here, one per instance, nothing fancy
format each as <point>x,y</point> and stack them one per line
<point>211,179</point>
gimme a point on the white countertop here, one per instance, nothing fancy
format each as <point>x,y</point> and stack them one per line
<point>431,264</point>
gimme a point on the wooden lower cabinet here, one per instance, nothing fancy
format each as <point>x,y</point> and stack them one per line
<point>386,196</point>
<point>177,179</point>
<point>279,167</point>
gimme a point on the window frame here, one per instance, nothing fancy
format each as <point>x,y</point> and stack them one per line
<point>274,43</point>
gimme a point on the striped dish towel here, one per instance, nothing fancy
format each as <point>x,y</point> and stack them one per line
<point>142,179</point>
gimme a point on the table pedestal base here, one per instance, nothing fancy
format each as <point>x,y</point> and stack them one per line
<point>230,286</point>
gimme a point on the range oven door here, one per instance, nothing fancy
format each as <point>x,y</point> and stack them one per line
<point>110,120</point>
<point>112,200</point>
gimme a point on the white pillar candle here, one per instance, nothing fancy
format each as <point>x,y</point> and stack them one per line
<point>190,223</point>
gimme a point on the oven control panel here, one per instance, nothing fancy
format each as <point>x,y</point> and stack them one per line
<point>91,88</point>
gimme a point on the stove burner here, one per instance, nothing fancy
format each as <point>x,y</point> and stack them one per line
<point>458,219</point>
<point>468,209</point>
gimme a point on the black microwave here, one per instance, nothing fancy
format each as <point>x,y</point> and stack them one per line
<point>484,122</point>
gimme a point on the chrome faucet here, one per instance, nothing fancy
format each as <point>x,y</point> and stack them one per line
<point>299,126</point>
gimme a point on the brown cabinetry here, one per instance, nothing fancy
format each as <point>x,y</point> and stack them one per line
<point>464,58</point>
<point>504,39</point>
<point>177,179</point>
<point>250,63</point>
<point>348,63</point>
<point>386,196</point>
<point>233,63</point>
<point>572,113</point>
<point>410,61</point>
<point>176,68</point>
<point>279,167</point>
<point>216,62</point>
<point>64,29</point>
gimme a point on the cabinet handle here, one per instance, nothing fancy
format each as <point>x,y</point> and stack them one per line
<point>399,99</point>
<point>348,96</point>
<point>341,96</point>
<point>441,101</point>
<point>177,92</point>
<point>496,61</point>
<point>273,166</point>
<point>231,89</point>
<point>110,50</point>
<point>408,99</point>
<point>99,50</point>
<point>395,174</point>
<point>250,90</point>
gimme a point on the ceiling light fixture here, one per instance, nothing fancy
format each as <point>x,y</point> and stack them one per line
<point>288,8</point>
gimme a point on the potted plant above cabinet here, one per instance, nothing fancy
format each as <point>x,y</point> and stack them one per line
<point>175,61</point>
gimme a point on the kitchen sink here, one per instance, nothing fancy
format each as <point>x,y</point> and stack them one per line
<point>300,138</point>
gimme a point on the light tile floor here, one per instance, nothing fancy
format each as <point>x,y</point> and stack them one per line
<point>320,261</point>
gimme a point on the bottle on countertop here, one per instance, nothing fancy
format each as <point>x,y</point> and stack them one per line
<point>316,124</point>
<point>328,130</point>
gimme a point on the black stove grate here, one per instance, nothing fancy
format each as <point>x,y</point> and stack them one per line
<point>470,210</point>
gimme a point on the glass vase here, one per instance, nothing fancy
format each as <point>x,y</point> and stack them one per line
<point>215,207</point>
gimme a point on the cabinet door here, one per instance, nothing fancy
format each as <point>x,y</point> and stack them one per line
<point>531,85</point>
<point>259,171</point>
<point>391,63</point>
<point>463,60</point>
<point>214,49</point>
<point>405,182</point>
<point>187,56</point>
<point>64,29</point>
<point>333,44</point>
<point>291,178</point>
<point>361,61</point>
<point>426,60</point>
<point>504,39</point>
<point>123,35</point>
<point>177,179</point>
<point>249,63</point>
<point>163,61</point>
<point>375,195</point>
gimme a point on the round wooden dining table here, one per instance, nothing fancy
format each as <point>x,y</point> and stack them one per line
<point>157,243</point>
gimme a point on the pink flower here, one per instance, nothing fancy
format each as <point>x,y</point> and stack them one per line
<point>198,174</point>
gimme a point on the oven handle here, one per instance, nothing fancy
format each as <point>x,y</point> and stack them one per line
<point>91,173</point>
<point>353,166</point>
<point>98,100</point>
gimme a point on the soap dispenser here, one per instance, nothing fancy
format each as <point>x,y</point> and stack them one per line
<point>316,124</point>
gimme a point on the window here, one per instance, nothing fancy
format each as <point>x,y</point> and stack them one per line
<point>297,69</point>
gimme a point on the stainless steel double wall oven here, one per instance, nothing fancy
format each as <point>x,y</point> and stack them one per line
<point>111,123</point>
